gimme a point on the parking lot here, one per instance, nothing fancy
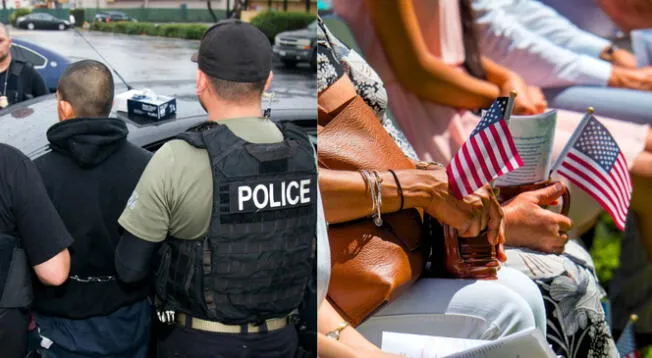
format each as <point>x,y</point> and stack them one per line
<point>147,59</point>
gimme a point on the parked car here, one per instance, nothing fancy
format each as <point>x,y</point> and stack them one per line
<point>112,16</point>
<point>42,21</point>
<point>49,64</point>
<point>297,46</point>
<point>24,124</point>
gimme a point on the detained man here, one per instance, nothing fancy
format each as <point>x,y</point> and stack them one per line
<point>89,174</point>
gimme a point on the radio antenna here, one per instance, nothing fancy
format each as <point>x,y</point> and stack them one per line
<point>105,61</point>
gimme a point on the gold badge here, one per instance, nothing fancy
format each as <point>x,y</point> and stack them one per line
<point>4,102</point>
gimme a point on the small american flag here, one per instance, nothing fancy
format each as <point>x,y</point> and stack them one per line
<point>487,154</point>
<point>594,162</point>
<point>626,344</point>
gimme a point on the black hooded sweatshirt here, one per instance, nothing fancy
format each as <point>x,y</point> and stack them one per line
<point>89,175</point>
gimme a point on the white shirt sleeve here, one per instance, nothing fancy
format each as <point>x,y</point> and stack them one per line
<point>507,36</point>
<point>543,20</point>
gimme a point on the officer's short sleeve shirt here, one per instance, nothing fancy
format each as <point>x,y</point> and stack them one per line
<point>174,196</point>
<point>26,210</point>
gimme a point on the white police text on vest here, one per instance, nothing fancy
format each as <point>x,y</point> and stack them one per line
<point>274,194</point>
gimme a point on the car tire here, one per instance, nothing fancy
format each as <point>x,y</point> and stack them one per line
<point>289,63</point>
<point>62,27</point>
<point>30,26</point>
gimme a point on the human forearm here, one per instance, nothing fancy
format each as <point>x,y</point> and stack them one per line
<point>347,198</point>
<point>329,348</point>
<point>496,73</point>
<point>416,68</point>
<point>133,257</point>
<point>329,319</point>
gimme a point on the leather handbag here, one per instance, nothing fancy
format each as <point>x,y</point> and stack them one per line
<point>370,265</point>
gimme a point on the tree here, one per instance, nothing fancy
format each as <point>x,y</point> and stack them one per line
<point>210,9</point>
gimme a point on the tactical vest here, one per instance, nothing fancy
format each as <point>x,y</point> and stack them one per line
<point>15,281</point>
<point>257,258</point>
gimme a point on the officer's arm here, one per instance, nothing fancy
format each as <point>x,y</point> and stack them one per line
<point>134,257</point>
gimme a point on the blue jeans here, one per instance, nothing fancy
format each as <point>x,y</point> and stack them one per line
<point>624,104</point>
<point>122,334</point>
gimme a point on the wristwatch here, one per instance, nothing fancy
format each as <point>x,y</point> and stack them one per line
<point>335,334</point>
<point>608,53</point>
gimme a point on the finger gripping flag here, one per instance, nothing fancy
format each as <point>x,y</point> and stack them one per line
<point>487,154</point>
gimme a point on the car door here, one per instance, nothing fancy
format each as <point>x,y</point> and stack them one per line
<point>50,22</point>
<point>38,21</point>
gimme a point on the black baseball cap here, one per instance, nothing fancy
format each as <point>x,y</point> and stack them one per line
<point>234,50</point>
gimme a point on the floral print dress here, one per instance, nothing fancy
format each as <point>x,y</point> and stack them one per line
<point>576,322</point>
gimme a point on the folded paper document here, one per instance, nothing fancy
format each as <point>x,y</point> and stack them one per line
<point>533,138</point>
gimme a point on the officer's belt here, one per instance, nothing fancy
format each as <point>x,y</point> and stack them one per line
<point>217,327</point>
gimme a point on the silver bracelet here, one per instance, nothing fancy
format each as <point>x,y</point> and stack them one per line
<point>374,181</point>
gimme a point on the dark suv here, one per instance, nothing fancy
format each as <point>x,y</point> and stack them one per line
<point>297,46</point>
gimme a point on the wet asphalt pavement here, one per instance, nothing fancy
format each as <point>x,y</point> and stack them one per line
<point>148,58</point>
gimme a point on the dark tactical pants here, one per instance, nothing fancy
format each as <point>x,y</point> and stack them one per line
<point>13,332</point>
<point>182,342</point>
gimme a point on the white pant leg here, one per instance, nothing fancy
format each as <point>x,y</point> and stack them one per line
<point>528,290</point>
<point>458,308</point>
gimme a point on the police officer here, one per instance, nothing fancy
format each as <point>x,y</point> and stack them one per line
<point>231,208</point>
<point>19,81</point>
<point>31,234</point>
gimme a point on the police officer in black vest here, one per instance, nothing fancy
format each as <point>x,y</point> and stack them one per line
<point>230,206</point>
<point>31,235</point>
<point>19,81</point>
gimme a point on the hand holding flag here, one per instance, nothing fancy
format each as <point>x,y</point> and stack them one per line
<point>487,154</point>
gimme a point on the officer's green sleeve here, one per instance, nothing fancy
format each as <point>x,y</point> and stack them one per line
<point>147,214</point>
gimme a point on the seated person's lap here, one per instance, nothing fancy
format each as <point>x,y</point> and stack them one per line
<point>462,308</point>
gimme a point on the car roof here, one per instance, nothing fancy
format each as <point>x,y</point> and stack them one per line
<point>24,125</point>
<point>51,55</point>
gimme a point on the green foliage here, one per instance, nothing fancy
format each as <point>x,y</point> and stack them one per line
<point>18,13</point>
<point>182,31</point>
<point>172,30</point>
<point>272,23</point>
<point>150,29</point>
<point>606,248</point>
<point>195,32</point>
<point>79,15</point>
<point>119,27</point>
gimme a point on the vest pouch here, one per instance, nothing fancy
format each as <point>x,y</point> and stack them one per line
<point>163,273</point>
<point>15,278</point>
<point>179,277</point>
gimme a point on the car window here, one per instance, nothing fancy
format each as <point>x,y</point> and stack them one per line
<point>42,16</point>
<point>21,53</point>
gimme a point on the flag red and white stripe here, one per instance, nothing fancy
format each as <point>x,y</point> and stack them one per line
<point>595,163</point>
<point>487,154</point>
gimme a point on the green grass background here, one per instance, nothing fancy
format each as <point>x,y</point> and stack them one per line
<point>606,255</point>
